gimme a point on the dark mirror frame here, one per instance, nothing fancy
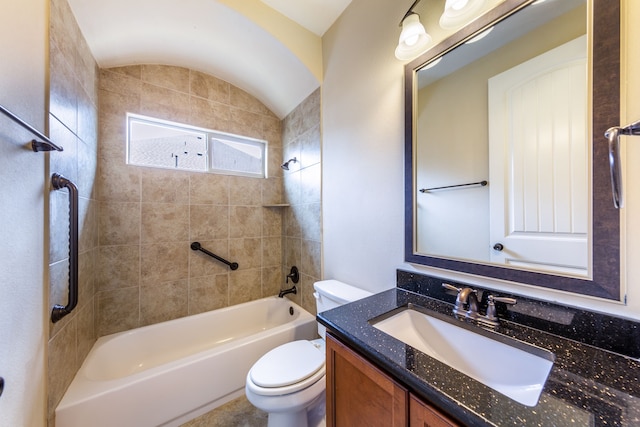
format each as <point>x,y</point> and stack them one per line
<point>605,42</point>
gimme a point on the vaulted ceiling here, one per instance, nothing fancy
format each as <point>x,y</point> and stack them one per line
<point>270,48</point>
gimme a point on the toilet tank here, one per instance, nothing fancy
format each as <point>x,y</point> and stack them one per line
<point>333,293</point>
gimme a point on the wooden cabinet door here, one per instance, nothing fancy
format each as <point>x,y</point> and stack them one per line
<point>359,394</point>
<point>424,415</point>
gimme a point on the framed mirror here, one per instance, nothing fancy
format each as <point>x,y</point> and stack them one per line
<point>497,187</point>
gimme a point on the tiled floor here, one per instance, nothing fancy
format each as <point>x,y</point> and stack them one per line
<point>237,413</point>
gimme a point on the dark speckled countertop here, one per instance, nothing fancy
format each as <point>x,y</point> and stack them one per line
<point>593,381</point>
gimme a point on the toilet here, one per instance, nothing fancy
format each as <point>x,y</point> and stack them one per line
<point>288,382</point>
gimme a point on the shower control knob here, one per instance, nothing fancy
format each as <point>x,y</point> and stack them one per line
<point>498,247</point>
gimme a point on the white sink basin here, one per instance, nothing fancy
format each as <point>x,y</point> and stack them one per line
<point>517,373</point>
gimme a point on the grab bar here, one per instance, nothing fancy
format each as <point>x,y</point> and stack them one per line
<point>196,246</point>
<point>613,136</point>
<point>59,182</point>
<point>45,145</point>
<point>480,183</point>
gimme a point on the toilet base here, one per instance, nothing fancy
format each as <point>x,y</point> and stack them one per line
<point>312,416</point>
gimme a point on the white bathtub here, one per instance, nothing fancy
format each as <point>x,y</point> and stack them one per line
<point>168,373</point>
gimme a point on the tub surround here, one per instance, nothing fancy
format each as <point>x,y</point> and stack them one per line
<point>594,379</point>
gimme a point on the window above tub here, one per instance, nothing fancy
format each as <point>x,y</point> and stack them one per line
<point>163,144</point>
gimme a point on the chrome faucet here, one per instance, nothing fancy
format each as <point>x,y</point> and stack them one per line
<point>467,305</point>
<point>466,301</point>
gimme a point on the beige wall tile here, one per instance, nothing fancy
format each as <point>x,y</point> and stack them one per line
<point>118,182</point>
<point>310,184</point>
<point>174,78</point>
<point>119,223</point>
<point>209,189</point>
<point>163,103</point>
<point>245,285</point>
<point>210,115</point>
<point>271,251</point>
<point>86,334</point>
<point>272,221</point>
<point>272,191</point>
<point>162,262</point>
<point>208,222</point>
<point>292,252</point>
<point>117,310</point>
<point>272,281</point>
<point>208,293</point>
<point>119,83</point>
<point>306,290</point>
<point>245,102</point>
<point>245,191</point>
<point>62,364</point>
<point>245,221</point>
<point>210,88</point>
<point>311,223</point>
<point>134,71</point>
<point>165,186</point>
<point>118,267</point>
<point>310,254</point>
<point>164,301</point>
<point>246,252</point>
<point>86,277</point>
<point>164,222</point>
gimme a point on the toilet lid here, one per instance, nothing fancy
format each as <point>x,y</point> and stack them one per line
<point>287,364</point>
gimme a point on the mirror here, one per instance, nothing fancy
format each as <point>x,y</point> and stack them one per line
<point>454,144</point>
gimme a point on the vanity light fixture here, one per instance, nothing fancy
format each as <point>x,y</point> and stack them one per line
<point>459,12</point>
<point>413,38</point>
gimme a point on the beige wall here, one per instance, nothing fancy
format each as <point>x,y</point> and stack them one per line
<point>302,231</point>
<point>73,100</point>
<point>23,333</point>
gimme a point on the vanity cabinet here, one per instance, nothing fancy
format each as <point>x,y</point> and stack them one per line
<point>359,394</point>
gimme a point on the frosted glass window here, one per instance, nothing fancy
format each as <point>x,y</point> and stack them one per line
<point>237,156</point>
<point>163,144</point>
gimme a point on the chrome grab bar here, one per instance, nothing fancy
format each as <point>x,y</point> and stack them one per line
<point>613,136</point>
<point>59,182</point>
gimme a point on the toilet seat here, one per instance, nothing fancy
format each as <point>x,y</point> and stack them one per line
<point>286,369</point>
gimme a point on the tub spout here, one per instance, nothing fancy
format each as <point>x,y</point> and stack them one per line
<point>283,292</point>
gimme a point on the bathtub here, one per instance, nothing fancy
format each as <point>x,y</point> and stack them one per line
<point>171,372</point>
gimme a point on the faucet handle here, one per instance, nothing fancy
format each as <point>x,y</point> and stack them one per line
<point>491,308</point>
<point>505,300</point>
<point>451,287</point>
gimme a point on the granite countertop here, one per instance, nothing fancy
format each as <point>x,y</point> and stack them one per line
<point>587,386</point>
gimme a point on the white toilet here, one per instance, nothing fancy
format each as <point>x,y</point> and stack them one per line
<point>289,381</point>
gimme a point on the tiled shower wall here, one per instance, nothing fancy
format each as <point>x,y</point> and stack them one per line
<point>136,223</point>
<point>73,101</point>
<point>302,229</point>
<point>148,217</point>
